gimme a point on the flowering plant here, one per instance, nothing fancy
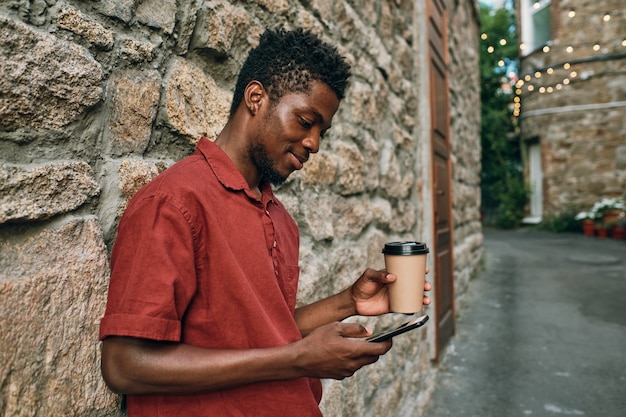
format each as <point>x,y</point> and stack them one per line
<point>600,207</point>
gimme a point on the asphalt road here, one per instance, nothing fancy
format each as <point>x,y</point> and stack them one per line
<point>541,332</point>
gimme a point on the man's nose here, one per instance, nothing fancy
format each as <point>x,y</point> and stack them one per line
<point>312,142</point>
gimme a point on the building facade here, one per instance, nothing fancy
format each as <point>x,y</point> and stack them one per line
<point>573,103</point>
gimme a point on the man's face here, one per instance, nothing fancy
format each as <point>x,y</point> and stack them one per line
<point>290,130</point>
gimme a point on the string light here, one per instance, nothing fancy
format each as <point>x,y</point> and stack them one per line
<point>544,75</point>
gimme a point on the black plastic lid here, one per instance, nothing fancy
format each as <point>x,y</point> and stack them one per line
<point>405,248</point>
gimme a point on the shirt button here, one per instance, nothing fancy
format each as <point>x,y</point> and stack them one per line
<point>275,244</point>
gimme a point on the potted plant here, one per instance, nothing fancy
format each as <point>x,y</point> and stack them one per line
<point>619,230</point>
<point>588,222</point>
<point>602,217</point>
<point>609,210</point>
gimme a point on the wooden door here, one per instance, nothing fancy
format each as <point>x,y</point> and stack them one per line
<point>440,145</point>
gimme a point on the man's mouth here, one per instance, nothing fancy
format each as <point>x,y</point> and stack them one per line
<point>299,160</point>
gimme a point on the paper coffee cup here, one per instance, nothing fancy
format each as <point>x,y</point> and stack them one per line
<point>407,261</point>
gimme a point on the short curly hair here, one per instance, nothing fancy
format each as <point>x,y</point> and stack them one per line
<point>288,61</point>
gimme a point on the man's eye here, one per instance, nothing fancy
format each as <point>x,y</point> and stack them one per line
<point>305,123</point>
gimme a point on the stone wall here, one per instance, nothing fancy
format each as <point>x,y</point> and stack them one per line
<point>465,143</point>
<point>580,123</point>
<point>98,97</point>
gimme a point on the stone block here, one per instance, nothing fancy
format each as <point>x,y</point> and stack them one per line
<point>137,51</point>
<point>159,14</point>
<point>45,82</point>
<point>52,295</point>
<point>35,193</point>
<point>351,169</point>
<point>133,175</point>
<point>219,23</point>
<point>121,9</point>
<point>274,6</point>
<point>351,216</point>
<point>135,96</point>
<point>73,20</point>
<point>194,105</point>
<point>321,169</point>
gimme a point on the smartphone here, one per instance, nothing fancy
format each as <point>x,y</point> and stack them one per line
<point>394,331</point>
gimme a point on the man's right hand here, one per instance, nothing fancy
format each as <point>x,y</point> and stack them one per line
<point>336,351</point>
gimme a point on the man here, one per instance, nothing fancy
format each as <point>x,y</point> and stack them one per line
<point>201,317</point>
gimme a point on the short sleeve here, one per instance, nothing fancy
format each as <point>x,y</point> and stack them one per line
<point>153,274</point>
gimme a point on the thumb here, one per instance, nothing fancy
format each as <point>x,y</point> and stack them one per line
<point>354,330</point>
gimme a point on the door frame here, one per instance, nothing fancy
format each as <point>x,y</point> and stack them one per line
<point>438,58</point>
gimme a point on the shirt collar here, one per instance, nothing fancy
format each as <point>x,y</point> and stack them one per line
<point>226,171</point>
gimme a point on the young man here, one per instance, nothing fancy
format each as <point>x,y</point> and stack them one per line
<point>201,317</point>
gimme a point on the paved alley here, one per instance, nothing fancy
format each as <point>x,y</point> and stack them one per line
<point>542,331</point>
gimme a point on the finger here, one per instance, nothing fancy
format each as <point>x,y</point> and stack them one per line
<point>426,301</point>
<point>354,330</point>
<point>428,286</point>
<point>381,276</point>
<point>427,270</point>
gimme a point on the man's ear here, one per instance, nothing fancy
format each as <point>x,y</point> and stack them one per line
<point>254,96</point>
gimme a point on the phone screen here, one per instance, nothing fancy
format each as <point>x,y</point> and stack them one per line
<point>394,331</point>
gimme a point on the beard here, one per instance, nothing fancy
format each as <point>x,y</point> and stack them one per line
<point>265,165</point>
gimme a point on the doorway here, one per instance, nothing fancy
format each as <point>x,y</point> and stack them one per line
<point>535,179</point>
<point>441,163</point>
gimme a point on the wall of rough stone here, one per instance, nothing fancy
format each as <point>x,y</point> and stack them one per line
<point>465,143</point>
<point>581,125</point>
<point>98,97</point>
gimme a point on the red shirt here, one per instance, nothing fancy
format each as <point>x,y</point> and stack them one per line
<point>199,259</point>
